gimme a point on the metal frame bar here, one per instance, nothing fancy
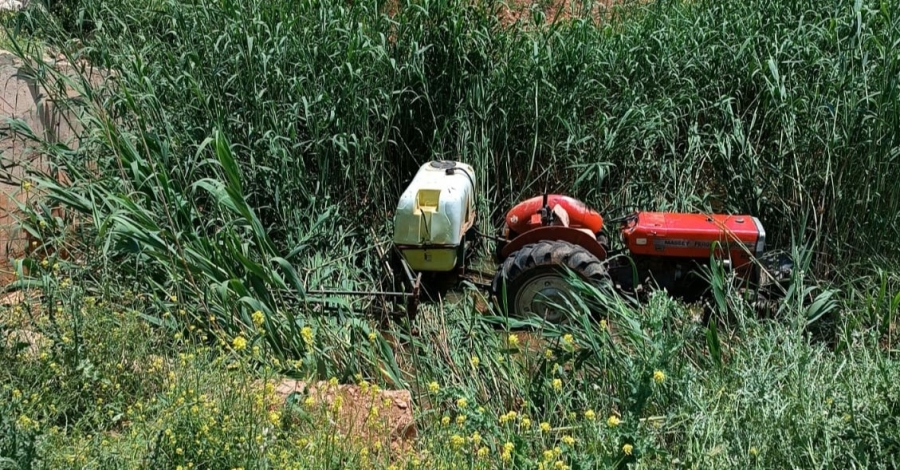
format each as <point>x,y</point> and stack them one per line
<point>412,282</point>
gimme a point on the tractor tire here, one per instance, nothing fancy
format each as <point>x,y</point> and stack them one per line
<point>537,272</point>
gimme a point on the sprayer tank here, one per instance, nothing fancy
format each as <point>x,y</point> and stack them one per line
<point>433,215</point>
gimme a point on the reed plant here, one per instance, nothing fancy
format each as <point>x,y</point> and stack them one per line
<point>242,153</point>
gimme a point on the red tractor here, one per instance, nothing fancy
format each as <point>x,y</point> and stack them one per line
<point>546,238</point>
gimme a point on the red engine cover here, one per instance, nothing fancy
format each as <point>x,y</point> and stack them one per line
<point>523,216</point>
<point>692,235</point>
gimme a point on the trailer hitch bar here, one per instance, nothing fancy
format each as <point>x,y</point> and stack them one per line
<point>361,293</point>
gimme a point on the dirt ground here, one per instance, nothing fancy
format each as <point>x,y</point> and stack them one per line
<point>513,12</point>
<point>366,416</point>
<point>518,11</point>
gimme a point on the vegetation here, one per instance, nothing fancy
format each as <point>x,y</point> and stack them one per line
<point>242,152</point>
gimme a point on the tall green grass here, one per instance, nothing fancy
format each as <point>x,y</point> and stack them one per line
<point>245,151</point>
<point>240,145</point>
<point>781,109</point>
<point>321,112</point>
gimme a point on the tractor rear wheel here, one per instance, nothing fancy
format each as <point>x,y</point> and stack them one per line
<point>536,280</point>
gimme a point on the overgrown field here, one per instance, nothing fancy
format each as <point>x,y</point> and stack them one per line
<point>243,152</point>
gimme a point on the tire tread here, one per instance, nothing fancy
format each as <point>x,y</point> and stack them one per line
<point>549,253</point>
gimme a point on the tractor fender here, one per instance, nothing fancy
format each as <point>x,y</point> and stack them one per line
<point>575,236</point>
<point>519,219</point>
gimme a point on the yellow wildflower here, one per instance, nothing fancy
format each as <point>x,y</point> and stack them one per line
<point>568,440</point>
<point>506,455</point>
<point>589,415</point>
<point>613,421</point>
<point>568,339</point>
<point>457,441</point>
<point>513,340</point>
<point>460,419</point>
<point>754,451</point>
<point>258,318</point>
<point>445,420</point>
<point>474,361</point>
<point>545,427</point>
<point>476,438</point>
<point>659,376</point>
<point>239,343</point>
<point>373,336</point>
<point>462,403</point>
<point>307,334</point>
<point>26,423</point>
<point>627,448</point>
<point>482,452</point>
<point>557,384</point>
<point>526,423</point>
<point>433,387</point>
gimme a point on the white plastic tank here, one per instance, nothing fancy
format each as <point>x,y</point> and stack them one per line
<point>433,215</point>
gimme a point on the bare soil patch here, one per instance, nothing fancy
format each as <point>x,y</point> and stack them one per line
<point>521,11</point>
<point>362,415</point>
